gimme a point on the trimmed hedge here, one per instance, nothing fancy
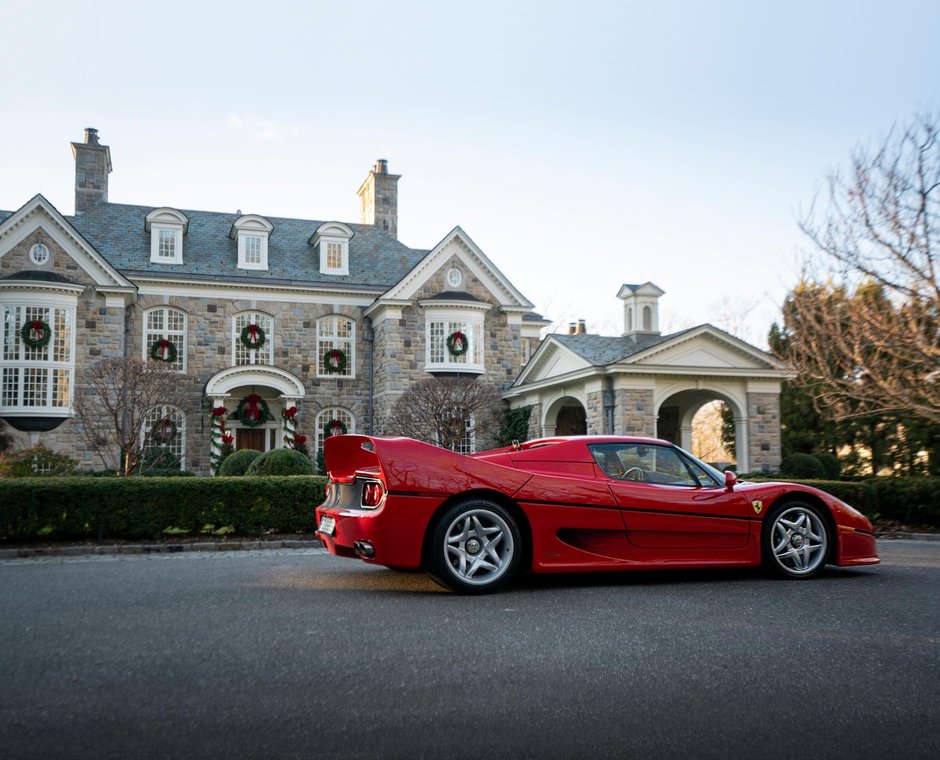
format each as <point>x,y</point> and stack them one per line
<point>914,500</point>
<point>280,462</point>
<point>238,462</point>
<point>140,507</point>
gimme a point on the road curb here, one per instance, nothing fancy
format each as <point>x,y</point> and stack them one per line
<point>202,546</point>
<point>892,534</point>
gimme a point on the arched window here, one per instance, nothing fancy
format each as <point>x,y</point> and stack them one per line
<point>264,337</point>
<point>336,333</point>
<point>163,439</point>
<point>332,421</point>
<point>647,319</point>
<point>165,335</point>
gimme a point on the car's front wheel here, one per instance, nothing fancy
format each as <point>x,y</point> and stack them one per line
<point>795,540</point>
<point>475,548</point>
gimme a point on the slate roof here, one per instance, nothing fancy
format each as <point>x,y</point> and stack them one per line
<point>601,350</point>
<point>376,260</point>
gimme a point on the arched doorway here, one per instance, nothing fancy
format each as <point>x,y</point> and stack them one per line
<point>688,419</point>
<point>566,416</point>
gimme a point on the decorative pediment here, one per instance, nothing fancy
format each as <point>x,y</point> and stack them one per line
<point>458,245</point>
<point>39,214</point>
<point>705,347</point>
<point>551,360</point>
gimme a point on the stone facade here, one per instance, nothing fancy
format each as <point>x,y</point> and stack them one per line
<point>103,263</point>
<point>764,431</point>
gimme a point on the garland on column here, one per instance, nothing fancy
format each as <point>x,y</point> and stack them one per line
<point>289,425</point>
<point>221,441</point>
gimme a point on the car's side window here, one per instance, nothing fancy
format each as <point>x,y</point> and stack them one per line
<point>645,463</point>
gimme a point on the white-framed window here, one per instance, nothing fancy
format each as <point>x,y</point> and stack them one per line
<point>166,227</point>
<point>39,254</point>
<point>252,233</point>
<point>244,354</point>
<point>164,323</point>
<point>249,252</point>
<point>38,379</point>
<point>326,424</point>
<point>163,439</point>
<point>336,333</point>
<point>332,240</point>
<point>468,444</point>
<point>454,341</point>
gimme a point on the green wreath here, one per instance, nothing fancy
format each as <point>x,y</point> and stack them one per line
<point>163,430</point>
<point>163,350</point>
<point>330,428</point>
<point>246,336</point>
<point>36,333</point>
<point>252,411</point>
<point>335,361</point>
<point>457,343</point>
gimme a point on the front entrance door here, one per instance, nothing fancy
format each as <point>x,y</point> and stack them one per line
<point>246,438</point>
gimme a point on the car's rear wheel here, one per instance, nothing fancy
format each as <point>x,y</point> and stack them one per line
<point>475,548</point>
<point>795,540</point>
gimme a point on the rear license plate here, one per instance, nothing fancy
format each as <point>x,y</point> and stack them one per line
<point>327,526</point>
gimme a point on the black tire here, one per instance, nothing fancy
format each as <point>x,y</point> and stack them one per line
<point>475,548</point>
<point>795,541</point>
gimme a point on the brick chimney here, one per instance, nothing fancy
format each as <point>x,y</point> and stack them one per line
<point>379,198</point>
<point>92,167</point>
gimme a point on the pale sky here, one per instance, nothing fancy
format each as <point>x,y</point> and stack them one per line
<point>581,145</point>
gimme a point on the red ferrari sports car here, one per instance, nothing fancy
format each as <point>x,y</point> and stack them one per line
<point>589,503</point>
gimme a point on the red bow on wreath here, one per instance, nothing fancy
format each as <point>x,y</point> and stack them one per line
<point>336,358</point>
<point>336,427</point>
<point>253,334</point>
<point>253,411</point>
<point>36,329</point>
<point>164,349</point>
<point>166,428</point>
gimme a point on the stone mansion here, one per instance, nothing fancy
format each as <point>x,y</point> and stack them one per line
<point>319,326</point>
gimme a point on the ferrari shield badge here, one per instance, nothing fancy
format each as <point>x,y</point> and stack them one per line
<point>758,506</point>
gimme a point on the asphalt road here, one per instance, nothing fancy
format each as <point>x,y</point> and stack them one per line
<point>293,653</point>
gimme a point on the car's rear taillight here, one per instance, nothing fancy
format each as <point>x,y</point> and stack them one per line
<point>372,493</point>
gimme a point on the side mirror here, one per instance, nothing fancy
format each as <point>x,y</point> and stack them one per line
<point>730,479</point>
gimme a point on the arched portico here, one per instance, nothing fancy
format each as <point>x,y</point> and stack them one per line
<point>260,386</point>
<point>566,415</point>
<point>676,408</point>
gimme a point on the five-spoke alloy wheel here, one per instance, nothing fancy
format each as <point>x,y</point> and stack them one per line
<point>795,540</point>
<point>475,547</point>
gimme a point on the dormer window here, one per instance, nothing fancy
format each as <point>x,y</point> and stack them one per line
<point>332,241</point>
<point>252,233</point>
<point>166,227</point>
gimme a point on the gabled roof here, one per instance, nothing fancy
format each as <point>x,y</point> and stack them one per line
<point>698,349</point>
<point>376,260</point>
<point>38,213</point>
<point>458,243</point>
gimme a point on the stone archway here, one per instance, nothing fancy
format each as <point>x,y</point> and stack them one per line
<point>676,412</point>
<point>565,416</point>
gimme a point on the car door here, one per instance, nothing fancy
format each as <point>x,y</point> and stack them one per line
<point>672,509</point>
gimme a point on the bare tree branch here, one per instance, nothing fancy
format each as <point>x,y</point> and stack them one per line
<point>446,410</point>
<point>113,402</point>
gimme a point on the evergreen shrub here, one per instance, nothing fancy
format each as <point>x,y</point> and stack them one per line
<point>802,466</point>
<point>280,462</point>
<point>238,462</point>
